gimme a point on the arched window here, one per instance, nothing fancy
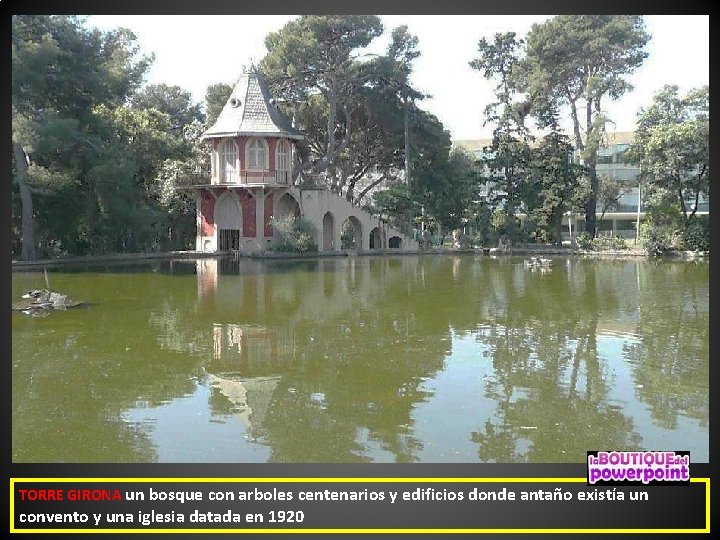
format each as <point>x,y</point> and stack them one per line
<point>257,154</point>
<point>282,161</point>
<point>228,161</point>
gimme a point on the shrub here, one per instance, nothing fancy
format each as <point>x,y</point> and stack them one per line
<point>656,239</point>
<point>584,240</point>
<point>604,243</point>
<point>697,234</point>
<point>499,221</point>
<point>293,235</point>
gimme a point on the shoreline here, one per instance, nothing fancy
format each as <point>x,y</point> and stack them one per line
<point>520,250</point>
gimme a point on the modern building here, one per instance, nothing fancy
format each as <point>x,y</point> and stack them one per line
<point>621,220</point>
<point>251,181</point>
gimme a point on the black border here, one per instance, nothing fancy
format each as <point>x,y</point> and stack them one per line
<point>148,7</point>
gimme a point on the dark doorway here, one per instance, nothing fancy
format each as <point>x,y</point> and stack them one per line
<point>229,240</point>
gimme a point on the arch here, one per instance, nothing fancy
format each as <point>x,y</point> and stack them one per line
<point>375,239</point>
<point>228,158</point>
<point>282,161</point>
<point>351,234</point>
<point>328,232</point>
<point>256,154</point>
<point>287,205</point>
<point>228,222</point>
<point>395,242</point>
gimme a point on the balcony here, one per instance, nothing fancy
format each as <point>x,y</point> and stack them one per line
<point>254,178</point>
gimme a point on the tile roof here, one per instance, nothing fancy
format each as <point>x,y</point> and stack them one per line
<point>251,111</point>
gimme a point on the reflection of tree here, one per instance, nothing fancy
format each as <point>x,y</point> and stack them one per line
<point>670,358</point>
<point>549,384</point>
<point>328,360</point>
<point>75,375</point>
<point>348,349</point>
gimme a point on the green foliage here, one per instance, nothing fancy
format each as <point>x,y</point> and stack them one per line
<point>672,145</point>
<point>697,234</point>
<point>313,55</point>
<point>294,235</point>
<point>578,61</point>
<point>657,239</point>
<point>170,100</point>
<point>554,182</point>
<point>216,96</point>
<point>347,237</point>
<point>584,241</point>
<point>99,147</point>
<point>608,243</point>
<point>499,221</point>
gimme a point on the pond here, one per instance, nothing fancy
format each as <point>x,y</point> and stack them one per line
<point>363,359</point>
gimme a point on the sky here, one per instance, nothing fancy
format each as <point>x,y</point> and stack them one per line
<point>196,51</point>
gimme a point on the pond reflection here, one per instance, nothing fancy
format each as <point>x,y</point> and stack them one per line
<point>364,359</point>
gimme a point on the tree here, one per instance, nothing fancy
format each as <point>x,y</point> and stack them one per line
<point>215,98</point>
<point>672,145</point>
<point>381,132</point>
<point>556,180</point>
<point>610,191</point>
<point>171,100</point>
<point>454,198</point>
<point>97,147</point>
<point>402,51</point>
<point>55,123</point>
<point>508,156</point>
<point>314,55</point>
<point>579,61</point>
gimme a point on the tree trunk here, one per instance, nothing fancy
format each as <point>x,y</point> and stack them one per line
<point>681,199</point>
<point>29,252</point>
<point>590,162</point>
<point>591,204</point>
<point>407,144</point>
<point>558,230</point>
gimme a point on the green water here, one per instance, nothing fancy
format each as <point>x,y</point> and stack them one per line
<point>405,359</point>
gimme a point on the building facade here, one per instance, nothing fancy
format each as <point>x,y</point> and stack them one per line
<point>252,151</point>
<point>620,220</point>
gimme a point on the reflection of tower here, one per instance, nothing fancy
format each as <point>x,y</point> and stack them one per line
<point>227,342</point>
<point>207,275</point>
<point>456,268</point>
<point>251,398</point>
<point>254,349</point>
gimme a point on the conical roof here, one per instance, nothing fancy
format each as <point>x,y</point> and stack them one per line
<point>251,111</point>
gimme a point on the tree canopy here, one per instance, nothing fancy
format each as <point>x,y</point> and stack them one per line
<point>672,145</point>
<point>578,62</point>
<point>89,143</point>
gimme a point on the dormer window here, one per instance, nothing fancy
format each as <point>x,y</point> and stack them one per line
<point>257,154</point>
<point>228,161</point>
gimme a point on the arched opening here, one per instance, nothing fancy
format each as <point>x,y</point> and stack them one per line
<point>286,206</point>
<point>328,232</point>
<point>351,234</point>
<point>375,239</point>
<point>395,242</point>
<point>228,222</point>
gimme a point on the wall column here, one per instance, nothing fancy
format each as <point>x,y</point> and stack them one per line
<point>198,221</point>
<point>260,218</point>
<point>337,232</point>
